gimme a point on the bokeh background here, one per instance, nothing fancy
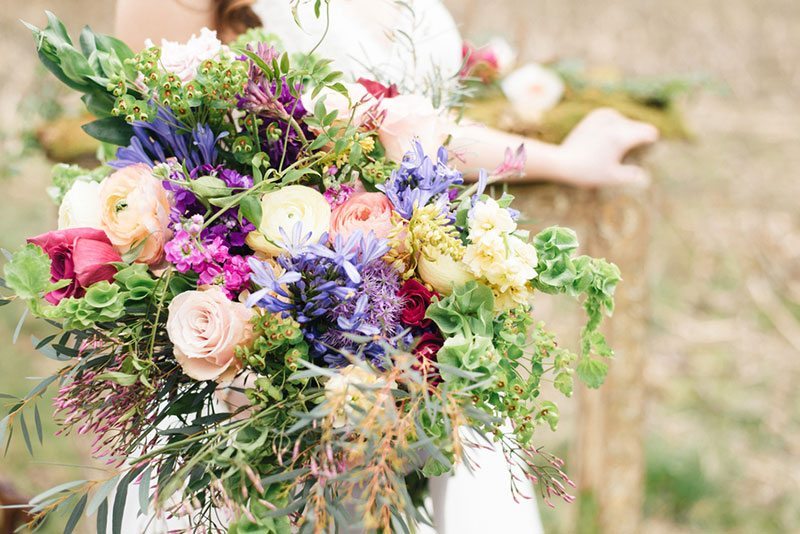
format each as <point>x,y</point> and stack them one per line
<point>722,411</point>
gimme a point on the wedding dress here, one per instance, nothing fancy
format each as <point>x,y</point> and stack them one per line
<point>411,43</point>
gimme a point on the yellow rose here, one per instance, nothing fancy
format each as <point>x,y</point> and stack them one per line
<point>135,210</point>
<point>284,208</point>
<point>442,272</point>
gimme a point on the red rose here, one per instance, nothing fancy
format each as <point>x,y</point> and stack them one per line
<point>427,347</point>
<point>416,299</point>
<point>83,255</point>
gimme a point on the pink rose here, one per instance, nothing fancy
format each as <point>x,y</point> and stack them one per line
<point>407,117</point>
<point>134,209</point>
<point>367,212</point>
<point>205,329</point>
<point>83,255</point>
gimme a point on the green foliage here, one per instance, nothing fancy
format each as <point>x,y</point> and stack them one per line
<point>593,279</point>
<point>64,177</point>
<point>103,302</point>
<point>88,69</point>
<point>28,273</point>
<point>469,310</point>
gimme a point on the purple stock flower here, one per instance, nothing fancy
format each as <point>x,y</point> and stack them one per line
<point>420,181</point>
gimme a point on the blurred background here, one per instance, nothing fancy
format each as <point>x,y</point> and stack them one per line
<point>720,410</point>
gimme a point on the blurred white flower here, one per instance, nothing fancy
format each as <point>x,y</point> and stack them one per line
<point>352,391</point>
<point>533,90</point>
<point>504,54</point>
<point>183,59</point>
<point>81,206</point>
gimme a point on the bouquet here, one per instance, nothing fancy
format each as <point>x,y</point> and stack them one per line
<point>267,318</point>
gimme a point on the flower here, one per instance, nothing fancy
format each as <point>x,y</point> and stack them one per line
<point>442,272</point>
<point>426,349</point>
<point>533,90</point>
<point>338,195</point>
<point>420,181</point>
<point>282,209</point>
<point>352,391</point>
<point>81,206</point>
<point>184,59</point>
<point>82,255</point>
<point>406,118</point>
<point>487,62</point>
<point>205,329</point>
<point>135,210</point>
<point>487,217</point>
<point>364,212</point>
<point>416,298</point>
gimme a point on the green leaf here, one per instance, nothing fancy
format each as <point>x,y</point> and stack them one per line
<point>75,516</point>
<point>123,379</point>
<point>42,497</point>
<point>250,209</point>
<point>112,130</point>
<point>209,187</point>
<point>28,272</point>
<point>37,419</point>
<point>592,372</point>
<point>102,517</point>
<point>25,434</point>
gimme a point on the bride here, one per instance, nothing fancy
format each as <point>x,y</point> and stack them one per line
<point>411,42</point>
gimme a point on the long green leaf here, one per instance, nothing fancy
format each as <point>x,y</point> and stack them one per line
<point>75,516</point>
<point>113,130</point>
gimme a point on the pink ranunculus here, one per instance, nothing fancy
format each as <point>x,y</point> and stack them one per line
<point>83,255</point>
<point>365,212</point>
<point>205,328</point>
<point>406,117</point>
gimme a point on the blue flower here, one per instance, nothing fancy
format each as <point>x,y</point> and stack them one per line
<point>420,181</point>
<point>165,137</point>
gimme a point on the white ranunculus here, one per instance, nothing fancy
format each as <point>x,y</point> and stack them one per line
<point>442,272</point>
<point>282,210</point>
<point>407,117</point>
<point>183,59</point>
<point>354,390</point>
<point>81,206</point>
<point>533,90</point>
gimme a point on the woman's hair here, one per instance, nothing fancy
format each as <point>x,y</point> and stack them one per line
<point>233,17</point>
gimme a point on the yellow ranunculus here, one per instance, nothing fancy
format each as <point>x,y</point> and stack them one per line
<point>283,209</point>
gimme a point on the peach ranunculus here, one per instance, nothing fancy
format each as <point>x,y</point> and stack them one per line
<point>407,117</point>
<point>205,328</point>
<point>135,210</point>
<point>365,212</point>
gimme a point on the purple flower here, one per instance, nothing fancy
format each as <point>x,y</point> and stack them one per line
<point>316,280</point>
<point>166,137</point>
<point>419,181</point>
<point>336,196</point>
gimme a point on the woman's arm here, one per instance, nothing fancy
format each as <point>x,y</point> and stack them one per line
<point>176,20</point>
<point>590,156</point>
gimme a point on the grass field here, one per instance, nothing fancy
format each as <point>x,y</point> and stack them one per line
<point>723,413</point>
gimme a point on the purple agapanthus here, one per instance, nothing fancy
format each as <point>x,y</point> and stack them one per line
<point>311,280</point>
<point>166,137</point>
<point>420,181</point>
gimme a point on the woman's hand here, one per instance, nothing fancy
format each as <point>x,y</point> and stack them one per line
<point>593,152</point>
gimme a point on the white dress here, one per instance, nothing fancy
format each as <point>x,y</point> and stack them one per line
<point>366,37</point>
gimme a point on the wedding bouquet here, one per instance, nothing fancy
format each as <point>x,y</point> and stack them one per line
<point>277,299</point>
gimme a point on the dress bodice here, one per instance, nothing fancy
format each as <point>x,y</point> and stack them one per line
<point>410,43</point>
